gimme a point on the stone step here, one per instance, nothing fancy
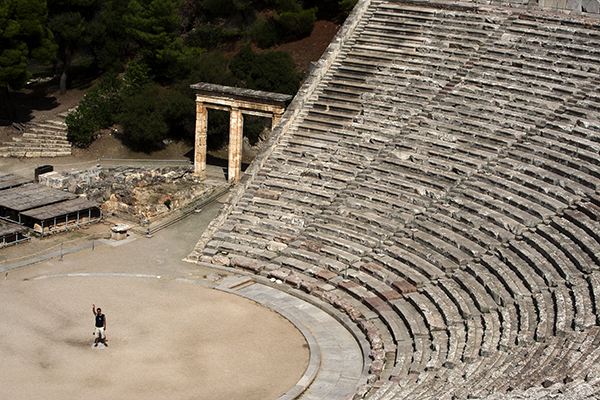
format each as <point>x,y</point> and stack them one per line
<point>24,141</point>
<point>417,251</point>
<point>579,236</point>
<point>43,136</point>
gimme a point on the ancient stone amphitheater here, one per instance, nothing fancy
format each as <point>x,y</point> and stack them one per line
<point>436,181</point>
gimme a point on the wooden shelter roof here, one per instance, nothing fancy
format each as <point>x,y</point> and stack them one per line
<point>59,209</point>
<point>24,198</point>
<point>8,181</point>
<point>11,229</point>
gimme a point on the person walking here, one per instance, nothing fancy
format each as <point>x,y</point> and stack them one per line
<point>99,332</point>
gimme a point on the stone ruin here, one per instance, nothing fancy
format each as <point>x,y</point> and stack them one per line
<point>140,192</point>
<point>437,182</point>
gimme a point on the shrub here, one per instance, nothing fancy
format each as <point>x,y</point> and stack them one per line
<point>206,36</point>
<point>154,115</point>
<point>96,111</point>
<point>242,62</point>
<point>274,72</point>
<point>346,6</point>
<point>297,25</point>
<point>180,115</point>
<point>143,121</point>
<point>266,33</point>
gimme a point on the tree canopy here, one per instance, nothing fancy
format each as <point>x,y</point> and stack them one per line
<point>162,46</point>
<point>23,35</point>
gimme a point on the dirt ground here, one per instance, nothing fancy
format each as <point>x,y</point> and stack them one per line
<point>167,339</point>
<point>303,51</point>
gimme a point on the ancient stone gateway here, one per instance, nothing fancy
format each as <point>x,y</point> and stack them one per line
<point>238,102</point>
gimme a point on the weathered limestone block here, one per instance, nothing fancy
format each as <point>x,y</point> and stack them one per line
<point>325,274</point>
<point>404,287</point>
<point>219,259</point>
<point>267,194</point>
<point>376,367</point>
<point>246,263</point>
<point>284,238</point>
<point>372,333</point>
<point>375,270</point>
<point>311,245</point>
<point>276,246</point>
<point>307,286</point>
<point>278,274</point>
<point>293,280</point>
<point>115,206</point>
<point>119,231</point>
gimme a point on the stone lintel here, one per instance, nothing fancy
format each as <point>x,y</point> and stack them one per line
<point>238,102</point>
<point>228,92</point>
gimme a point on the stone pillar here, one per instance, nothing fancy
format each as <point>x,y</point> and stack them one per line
<point>275,119</point>
<point>236,132</point>
<point>200,142</point>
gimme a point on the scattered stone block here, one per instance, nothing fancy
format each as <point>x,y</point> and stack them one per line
<point>293,280</point>
<point>278,274</point>
<point>390,294</point>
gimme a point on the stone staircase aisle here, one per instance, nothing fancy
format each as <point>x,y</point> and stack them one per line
<point>39,139</point>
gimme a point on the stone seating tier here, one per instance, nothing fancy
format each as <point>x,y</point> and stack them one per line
<point>450,170</point>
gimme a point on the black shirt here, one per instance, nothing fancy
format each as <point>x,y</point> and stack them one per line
<point>99,320</point>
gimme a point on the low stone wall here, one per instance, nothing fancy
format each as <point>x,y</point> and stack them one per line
<point>143,193</point>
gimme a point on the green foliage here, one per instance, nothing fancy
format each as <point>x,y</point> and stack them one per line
<point>70,20</point>
<point>266,33</point>
<point>155,114</point>
<point>208,67</point>
<point>144,125</point>
<point>108,40</point>
<point>101,105</point>
<point>180,115</point>
<point>253,127</point>
<point>297,25</point>
<point>285,5</point>
<point>287,27</point>
<point>218,129</point>
<point>210,36</point>
<point>96,111</point>
<point>272,72</point>
<point>23,36</point>
<point>213,10</point>
<point>136,77</point>
<point>242,63</point>
<point>154,26</point>
<point>346,6</point>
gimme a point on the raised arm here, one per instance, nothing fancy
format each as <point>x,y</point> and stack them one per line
<point>94,309</point>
